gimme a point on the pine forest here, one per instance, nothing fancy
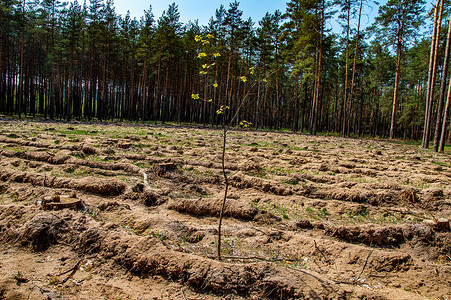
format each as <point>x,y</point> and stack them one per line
<point>72,61</point>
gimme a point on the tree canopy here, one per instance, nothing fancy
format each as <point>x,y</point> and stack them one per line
<point>86,62</point>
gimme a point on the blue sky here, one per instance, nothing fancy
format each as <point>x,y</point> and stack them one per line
<point>203,10</point>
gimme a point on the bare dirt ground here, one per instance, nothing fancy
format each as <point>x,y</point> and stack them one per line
<point>130,212</point>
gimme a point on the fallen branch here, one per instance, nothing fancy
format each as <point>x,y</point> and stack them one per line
<point>319,250</point>
<point>72,269</point>
<point>364,266</point>
<point>42,289</point>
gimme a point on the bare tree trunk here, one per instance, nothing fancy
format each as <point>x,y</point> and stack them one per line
<point>2,81</point>
<point>226,180</point>
<point>69,90</point>
<point>395,96</point>
<point>432,71</point>
<point>257,105</point>
<point>22,40</point>
<point>345,101</point>
<point>204,104</point>
<point>157,97</point>
<point>438,123</point>
<point>295,125</point>
<point>314,90</point>
<point>355,61</point>
<point>52,67</point>
<point>143,91</point>
<point>318,86</point>
<point>445,120</point>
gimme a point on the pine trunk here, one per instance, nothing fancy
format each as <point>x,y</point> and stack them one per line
<point>438,123</point>
<point>432,72</point>
<point>355,62</point>
<point>395,95</point>
<point>445,120</point>
<point>345,100</point>
<point>21,74</point>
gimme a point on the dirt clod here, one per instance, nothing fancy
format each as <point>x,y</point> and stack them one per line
<point>42,231</point>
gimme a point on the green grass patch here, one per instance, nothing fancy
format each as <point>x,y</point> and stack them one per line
<point>441,163</point>
<point>317,214</point>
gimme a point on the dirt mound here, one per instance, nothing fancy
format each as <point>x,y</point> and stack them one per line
<point>242,181</point>
<point>149,255</point>
<point>211,207</point>
<point>42,231</point>
<point>383,236</point>
<point>101,186</point>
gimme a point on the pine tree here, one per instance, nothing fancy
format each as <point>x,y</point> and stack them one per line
<point>269,51</point>
<point>395,25</point>
<point>168,42</point>
<point>71,38</point>
<point>438,13</point>
<point>145,45</point>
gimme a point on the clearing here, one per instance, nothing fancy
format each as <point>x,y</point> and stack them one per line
<point>95,211</point>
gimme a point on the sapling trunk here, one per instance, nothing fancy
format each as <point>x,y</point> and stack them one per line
<point>228,119</point>
<point>226,180</point>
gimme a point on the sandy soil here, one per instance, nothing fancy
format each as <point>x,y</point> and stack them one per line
<point>94,211</point>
